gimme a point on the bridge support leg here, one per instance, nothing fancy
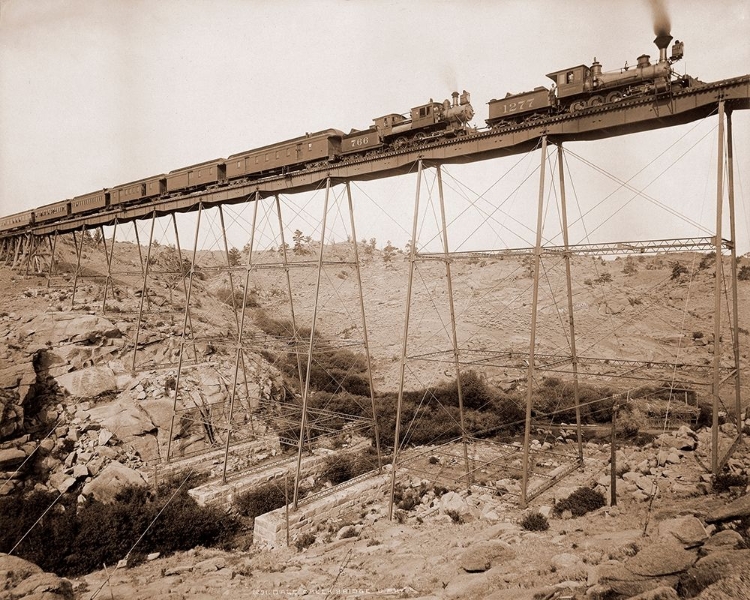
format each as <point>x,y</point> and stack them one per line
<point>365,339</point>
<point>295,329</point>
<point>454,335</point>
<point>52,247</point>
<point>569,290</point>
<point>184,284</point>
<point>144,288</point>
<point>306,390</point>
<point>234,302</point>
<point>79,252</point>
<point>735,302</point>
<point>108,256</point>
<point>404,346</point>
<point>718,282</point>
<point>18,243</point>
<point>239,353</point>
<point>532,339</point>
<point>184,329</point>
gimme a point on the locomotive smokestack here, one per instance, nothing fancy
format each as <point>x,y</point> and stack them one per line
<point>455,98</point>
<point>662,43</point>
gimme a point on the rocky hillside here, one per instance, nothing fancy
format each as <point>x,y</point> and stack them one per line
<point>77,421</point>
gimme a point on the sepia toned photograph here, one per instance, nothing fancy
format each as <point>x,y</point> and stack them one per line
<point>374,299</point>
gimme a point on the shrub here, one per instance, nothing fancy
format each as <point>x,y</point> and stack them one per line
<point>535,521</point>
<point>234,298</point>
<point>678,270</point>
<point>744,273</point>
<point>349,532</point>
<point>724,481</point>
<point>580,502</point>
<point>339,468</point>
<point>455,516</point>
<point>304,541</point>
<point>77,540</point>
<point>260,500</point>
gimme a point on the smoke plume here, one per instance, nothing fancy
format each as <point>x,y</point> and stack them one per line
<point>660,15</point>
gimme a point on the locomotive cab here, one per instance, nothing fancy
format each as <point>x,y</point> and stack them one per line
<point>572,81</point>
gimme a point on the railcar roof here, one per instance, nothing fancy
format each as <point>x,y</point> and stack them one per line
<point>324,133</point>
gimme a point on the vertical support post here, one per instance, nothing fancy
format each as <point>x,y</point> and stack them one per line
<point>295,332</point>
<point>144,289</point>
<point>569,285</point>
<point>138,245</point>
<point>454,335</point>
<point>79,252</point>
<point>30,251</point>
<point>18,241</point>
<point>532,340</point>
<point>239,354</point>
<point>184,328</point>
<point>365,339</point>
<point>613,457</point>
<point>231,287</point>
<point>402,366</point>
<point>53,246</point>
<point>717,295</point>
<point>109,256</point>
<point>286,504</point>
<point>295,329</point>
<point>184,285</point>
<point>306,391</point>
<point>733,266</point>
<point>240,328</point>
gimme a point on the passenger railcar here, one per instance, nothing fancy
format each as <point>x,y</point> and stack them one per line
<point>142,189</point>
<point>89,202</point>
<point>204,173</point>
<point>17,220</point>
<point>285,156</point>
<point>52,212</point>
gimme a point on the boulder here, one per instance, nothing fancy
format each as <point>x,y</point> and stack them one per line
<point>688,530</point>
<point>11,458</point>
<point>724,540</point>
<point>482,556</point>
<point>111,480</point>
<point>88,383</point>
<point>734,510</point>
<point>661,593</point>
<point>615,579</point>
<point>712,568</point>
<point>451,501</point>
<point>123,418</point>
<point>660,559</point>
<point>20,578</point>
<point>52,328</point>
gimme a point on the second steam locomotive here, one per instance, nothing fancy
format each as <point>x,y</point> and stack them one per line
<point>574,89</point>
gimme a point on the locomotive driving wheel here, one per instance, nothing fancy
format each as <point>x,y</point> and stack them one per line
<point>420,137</point>
<point>614,97</point>
<point>596,101</point>
<point>577,105</point>
<point>401,142</point>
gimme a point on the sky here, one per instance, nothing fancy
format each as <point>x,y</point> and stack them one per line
<point>98,93</point>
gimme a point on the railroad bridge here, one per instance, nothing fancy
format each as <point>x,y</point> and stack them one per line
<point>20,249</point>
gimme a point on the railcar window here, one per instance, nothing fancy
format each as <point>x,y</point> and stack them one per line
<point>309,146</point>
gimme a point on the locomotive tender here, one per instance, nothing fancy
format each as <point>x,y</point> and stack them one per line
<point>574,89</point>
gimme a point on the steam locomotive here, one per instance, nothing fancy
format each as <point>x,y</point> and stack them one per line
<point>574,89</point>
<point>577,88</point>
